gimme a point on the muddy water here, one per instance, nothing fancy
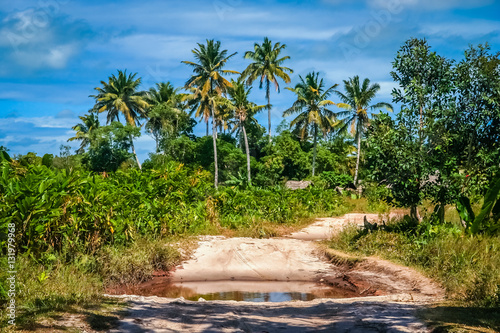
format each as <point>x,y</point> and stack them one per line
<point>249,291</point>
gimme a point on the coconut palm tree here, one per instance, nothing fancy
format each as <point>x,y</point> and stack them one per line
<point>208,84</point>
<point>244,110</point>
<point>267,66</point>
<point>89,123</point>
<point>120,95</point>
<point>311,104</point>
<point>166,109</point>
<point>356,102</point>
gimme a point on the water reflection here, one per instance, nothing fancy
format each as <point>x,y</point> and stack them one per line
<point>256,297</point>
<point>249,291</point>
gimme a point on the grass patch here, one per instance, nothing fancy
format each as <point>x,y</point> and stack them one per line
<point>58,285</point>
<point>467,266</point>
<point>136,263</point>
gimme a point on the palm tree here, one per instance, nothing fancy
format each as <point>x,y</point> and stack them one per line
<point>267,67</point>
<point>244,110</point>
<point>207,84</point>
<point>120,95</point>
<point>166,109</point>
<point>311,104</point>
<point>356,102</point>
<point>89,123</point>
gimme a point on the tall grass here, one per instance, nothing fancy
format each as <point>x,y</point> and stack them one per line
<point>467,266</point>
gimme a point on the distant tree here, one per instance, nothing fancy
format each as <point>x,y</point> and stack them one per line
<point>311,104</point>
<point>83,130</point>
<point>47,160</point>
<point>120,95</point>
<point>267,66</point>
<point>167,111</point>
<point>207,84</point>
<point>244,110</point>
<point>356,100</point>
<point>109,147</point>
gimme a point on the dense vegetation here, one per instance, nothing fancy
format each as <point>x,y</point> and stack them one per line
<point>75,213</point>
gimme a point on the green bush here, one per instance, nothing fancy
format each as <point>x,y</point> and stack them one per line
<point>335,179</point>
<point>467,266</point>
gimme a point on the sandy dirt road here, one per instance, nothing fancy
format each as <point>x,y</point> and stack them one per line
<point>392,293</point>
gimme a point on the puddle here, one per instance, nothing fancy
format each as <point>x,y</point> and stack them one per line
<point>249,291</point>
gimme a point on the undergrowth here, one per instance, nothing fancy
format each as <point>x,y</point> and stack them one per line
<point>467,266</point>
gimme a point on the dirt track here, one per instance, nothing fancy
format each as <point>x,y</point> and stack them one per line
<point>394,292</point>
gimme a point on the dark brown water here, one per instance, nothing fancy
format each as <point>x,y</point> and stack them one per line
<point>249,291</point>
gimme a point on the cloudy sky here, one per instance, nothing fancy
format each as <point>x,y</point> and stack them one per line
<point>53,53</point>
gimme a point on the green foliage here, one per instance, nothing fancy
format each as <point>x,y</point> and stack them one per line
<point>47,160</point>
<point>356,101</point>
<point>447,127</point>
<point>53,208</point>
<point>284,159</point>
<point>468,267</point>
<point>333,179</point>
<point>267,67</point>
<point>488,218</point>
<point>60,209</point>
<point>109,147</point>
<point>391,160</point>
<point>277,205</point>
<point>4,156</point>
<point>84,129</point>
<point>29,159</point>
<point>311,105</point>
<point>474,124</point>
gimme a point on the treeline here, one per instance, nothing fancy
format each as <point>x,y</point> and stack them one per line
<point>442,146</point>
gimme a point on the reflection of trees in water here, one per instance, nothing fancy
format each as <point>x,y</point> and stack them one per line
<point>162,287</point>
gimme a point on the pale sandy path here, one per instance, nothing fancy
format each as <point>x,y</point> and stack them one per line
<point>244,259</point>
<point>222,261</point>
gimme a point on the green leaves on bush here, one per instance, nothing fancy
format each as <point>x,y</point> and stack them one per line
<point>489,216</point>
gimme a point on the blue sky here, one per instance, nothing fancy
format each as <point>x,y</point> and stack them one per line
<point>54,52</point>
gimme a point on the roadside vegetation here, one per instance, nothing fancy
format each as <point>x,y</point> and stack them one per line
<point>81,222</point>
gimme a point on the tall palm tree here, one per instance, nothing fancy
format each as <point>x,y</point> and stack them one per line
<point>120,95</point>
<point>311,104</point>
<point>267,67</point>
<point>356,102</point>
<point>244,110</point>
<point>166,108</point>
<point>89,123</point>
<point>207,83</point>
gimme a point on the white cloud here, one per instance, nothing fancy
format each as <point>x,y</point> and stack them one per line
<point>41,122</point>
<point>52,57</point>
<point>38,39</point>
<point>469,29</point>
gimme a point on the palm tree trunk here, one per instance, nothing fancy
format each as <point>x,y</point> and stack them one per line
<point>133,151</point>
<point>248,155</point>
<point>314,147</point>
<point>207,127</point>
<point>357,160</point>
<point>214,137</point>
<point>268,108</point>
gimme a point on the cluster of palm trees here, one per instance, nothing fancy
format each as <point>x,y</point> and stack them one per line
<point>210,96</point>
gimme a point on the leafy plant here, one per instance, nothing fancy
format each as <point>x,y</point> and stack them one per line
<point>489,216</point>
